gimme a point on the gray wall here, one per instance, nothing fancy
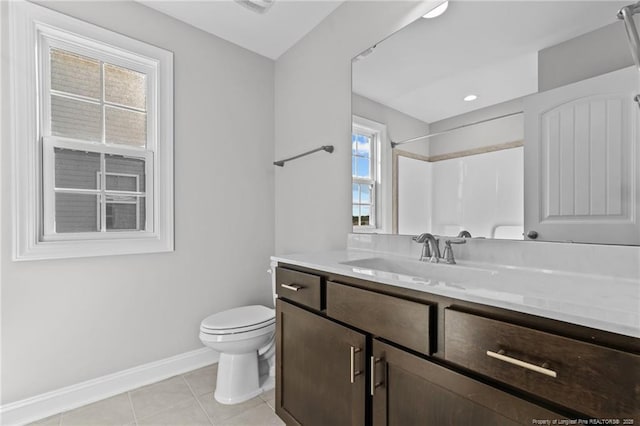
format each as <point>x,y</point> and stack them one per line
<point>313,108</point>
<point>589,55</point>
<point>66,321</point>
<point>505,130</point>
<point>400,126</point>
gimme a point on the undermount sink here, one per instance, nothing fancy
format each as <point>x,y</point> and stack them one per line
<point>419,269</point>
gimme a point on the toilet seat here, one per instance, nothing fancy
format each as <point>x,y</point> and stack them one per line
<point>244,337</point>
<point>238,320</point>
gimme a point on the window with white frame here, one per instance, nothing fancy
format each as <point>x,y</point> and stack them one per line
<point>96,160</point>
<point>364,173</point>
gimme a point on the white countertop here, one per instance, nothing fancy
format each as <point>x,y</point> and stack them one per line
<point>596,301</point>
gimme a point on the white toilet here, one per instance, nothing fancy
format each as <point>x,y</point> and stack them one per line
<point>245,339</point>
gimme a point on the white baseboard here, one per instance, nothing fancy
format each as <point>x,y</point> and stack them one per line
<point>74,396</point>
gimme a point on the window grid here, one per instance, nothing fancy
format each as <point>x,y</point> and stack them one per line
<point>104,201</point>
<point>103,147</point>
<point>364,144</point>
<point>102,101</point>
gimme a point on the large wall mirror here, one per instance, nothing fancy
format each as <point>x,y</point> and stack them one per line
<point>508,119</point>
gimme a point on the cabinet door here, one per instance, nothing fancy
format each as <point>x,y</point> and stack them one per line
<point>409,390</point>
<point>581,161</point>
<point>323,381</point>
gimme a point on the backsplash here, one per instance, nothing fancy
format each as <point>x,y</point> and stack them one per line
<point>592,259</point>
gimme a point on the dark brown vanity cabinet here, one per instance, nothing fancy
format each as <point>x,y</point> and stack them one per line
<point>355,352</point>
<point>320,369</point>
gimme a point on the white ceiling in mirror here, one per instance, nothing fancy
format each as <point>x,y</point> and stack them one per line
<point>488,49</point>
<point>269,34</point>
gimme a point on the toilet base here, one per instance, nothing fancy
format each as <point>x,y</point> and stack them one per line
<point>238,378</point>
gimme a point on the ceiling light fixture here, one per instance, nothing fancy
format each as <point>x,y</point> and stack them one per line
<point>258,6</point>
<point>437,11</point>
<point>470,98</point>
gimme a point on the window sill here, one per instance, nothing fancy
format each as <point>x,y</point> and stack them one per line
<point>366,230</point>
<point>43,250</point>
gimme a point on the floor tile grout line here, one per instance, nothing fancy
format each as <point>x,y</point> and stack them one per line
<point>245,411</point>
<point>62,416</point>
<point>196,397</point>
<point>135,418</point>
<point>164,409</point>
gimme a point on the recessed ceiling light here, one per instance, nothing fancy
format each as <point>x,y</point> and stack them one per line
<point>437,11</point>
<point>470,98</point>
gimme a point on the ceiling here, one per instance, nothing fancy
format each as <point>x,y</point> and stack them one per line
<point>484,48</point>
<point>270,34</point>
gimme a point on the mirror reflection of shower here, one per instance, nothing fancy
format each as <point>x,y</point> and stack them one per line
<point>445,101</point>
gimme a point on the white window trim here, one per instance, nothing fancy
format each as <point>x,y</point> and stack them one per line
<point>27,22</point>
<point>380,130</point>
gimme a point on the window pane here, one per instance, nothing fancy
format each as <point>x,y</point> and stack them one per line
<point>125,87</point>
<point>125,127</point>
<point>77,213</point>
<point>365,194</point>
<point>363,145</point>
<point>364,215</point>
<point>120,165</point>
<point>124,213</point>
<point>76,74</point>
<point>76,169</point>
<point>354,145</point>
<point>356,215</point>
<point>362,167</point>
<point>76,119</point>
<point>122,183</point>
<point>354,167</point>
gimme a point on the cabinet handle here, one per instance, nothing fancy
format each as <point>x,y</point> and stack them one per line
<point>352,372</point>
<point>500,355</point>
<point>294,287</point>
<point>374,384</point>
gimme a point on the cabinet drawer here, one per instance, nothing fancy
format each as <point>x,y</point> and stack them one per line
<point>398,320</point>
<point>299,287</point>
<point>553,367</point>
<point>411,390</point>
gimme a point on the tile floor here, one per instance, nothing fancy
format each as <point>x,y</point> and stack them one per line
<point>181,400</point>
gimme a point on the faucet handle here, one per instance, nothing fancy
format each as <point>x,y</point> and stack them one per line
<point>456,241</point>
<point>448,250</point>
<point>448,253</point>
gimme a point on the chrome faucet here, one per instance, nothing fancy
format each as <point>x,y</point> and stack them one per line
<point>430,249</point>
<point>464,234</point>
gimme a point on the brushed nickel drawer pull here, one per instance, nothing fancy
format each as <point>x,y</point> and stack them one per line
<point>374,384</point>
<point>352,372</point>
<point>294,287</point>
<point>500,355</point>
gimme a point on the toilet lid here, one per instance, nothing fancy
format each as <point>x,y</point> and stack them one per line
<point>244,318</point>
